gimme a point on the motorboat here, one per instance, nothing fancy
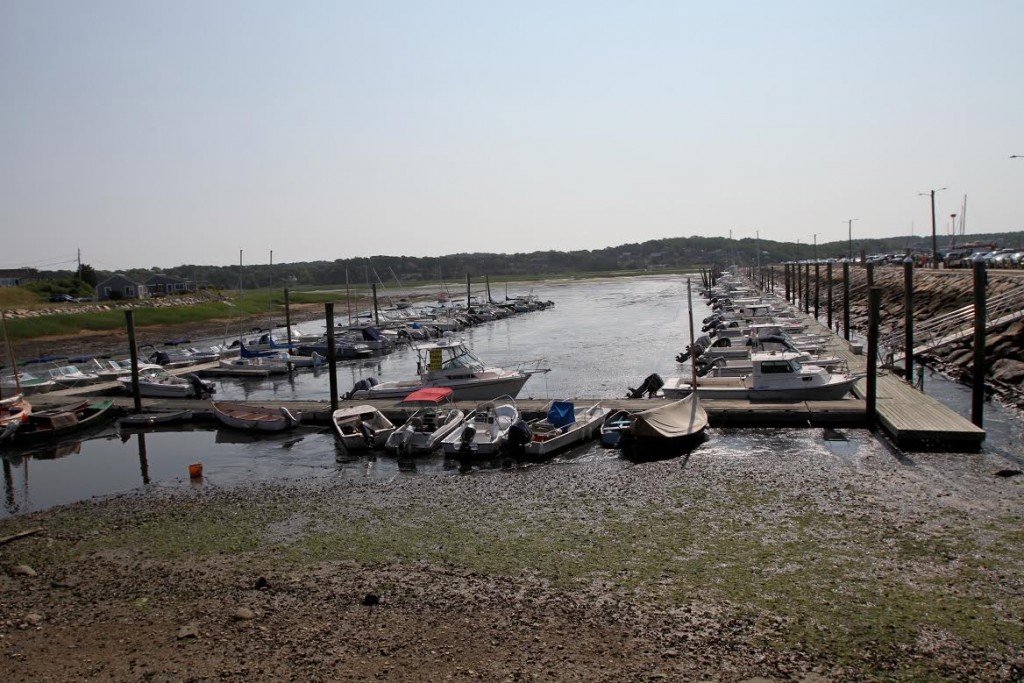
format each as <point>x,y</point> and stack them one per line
<point>255,418</point>
<point>665,431</point>
<point>448,362</point>
<point>71,376</point>
<point>156,382</point>
<point>615,423</point>
<point>564,425</point>
<point>485,431</point>
<point>434,417</point>
<point>740,367</point>
<point>361,427</point>
<point>772,378</point>
<point>26,384</point>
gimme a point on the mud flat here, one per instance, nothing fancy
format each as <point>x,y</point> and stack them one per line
<point>796,565</point>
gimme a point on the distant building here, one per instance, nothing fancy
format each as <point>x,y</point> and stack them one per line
<point>17,277</point>
<point>160,284</point>
<point>121,287</point>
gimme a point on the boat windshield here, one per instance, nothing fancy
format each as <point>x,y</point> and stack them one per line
<point>462,360</point>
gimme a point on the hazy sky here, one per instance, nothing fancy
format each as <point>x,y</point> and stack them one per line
<point>178,132</point>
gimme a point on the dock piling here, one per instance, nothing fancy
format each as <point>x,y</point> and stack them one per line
<point>870,399</point>
<point>908,318</point>
<point>332,355</point>
<point>133,350</point>
<point>978,384</point>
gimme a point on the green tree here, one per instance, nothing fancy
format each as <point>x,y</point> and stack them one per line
<point>88,275</point>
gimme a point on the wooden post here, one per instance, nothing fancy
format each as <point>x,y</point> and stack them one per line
<point>846,301</point>
<point>978,386</point>
<point>332,356</point>
<point>288,318</point>
<point>908,318</point>
<point>133,351</point>
<point>799,287</point>
<point>469,292</point>
<point>874,304</point>
<point>817,289</point>
<point>870,267</point>
<point>376,312</point>
<point>807,288</point>
<point>828,296</point>
<point>785,281</point>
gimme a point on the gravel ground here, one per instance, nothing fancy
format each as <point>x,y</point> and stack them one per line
<point>716,566</point>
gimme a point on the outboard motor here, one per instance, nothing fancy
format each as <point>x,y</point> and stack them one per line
<point>201,388</point>
<point>362,385</point>
<point>466,440</point>
<point>650,386</point>
<point>519,434</point>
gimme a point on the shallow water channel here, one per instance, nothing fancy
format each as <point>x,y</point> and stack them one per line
<point>602,336</point>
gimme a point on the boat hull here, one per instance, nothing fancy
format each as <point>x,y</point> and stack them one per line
<point>465,390</point>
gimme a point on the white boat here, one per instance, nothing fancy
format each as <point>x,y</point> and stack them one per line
<point>156,382</point>
<point>255,418</point>
<point>448,362</point>
<point>435,417</point>
<point>772,378</point>
<point>741,367</point>
<point>269,366</point>
<point>485,431</point>
<point>26,384</point>
<point>71,376</point>
<point>565,425</point>
<point>361,427</point>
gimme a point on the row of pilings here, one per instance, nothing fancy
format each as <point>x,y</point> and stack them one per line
<point>819,289</point>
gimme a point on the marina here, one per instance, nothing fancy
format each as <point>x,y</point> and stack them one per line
<point>596,365</point>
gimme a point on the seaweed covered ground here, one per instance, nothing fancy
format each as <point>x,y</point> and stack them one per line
<point>800,565</point>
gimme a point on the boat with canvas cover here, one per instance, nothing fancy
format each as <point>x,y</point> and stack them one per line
<point>564,425</point>
<point>665,431</point>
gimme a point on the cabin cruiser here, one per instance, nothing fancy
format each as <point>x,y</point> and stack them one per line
<point>772,377</point>
<point>448,362</point>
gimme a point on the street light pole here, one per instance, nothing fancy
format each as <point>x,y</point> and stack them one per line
<point>935,241</point>
<point>849,236</point>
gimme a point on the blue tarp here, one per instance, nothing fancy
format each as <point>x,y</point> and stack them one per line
<point>561,413</point>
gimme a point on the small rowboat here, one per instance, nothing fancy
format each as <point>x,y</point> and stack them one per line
<point>255,418</point>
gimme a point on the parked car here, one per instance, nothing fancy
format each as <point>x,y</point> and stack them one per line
<point>62,298</point>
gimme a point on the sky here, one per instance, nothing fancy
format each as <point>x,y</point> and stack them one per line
<point>152,134</point>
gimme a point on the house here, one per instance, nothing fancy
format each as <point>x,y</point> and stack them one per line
<point>160,284</point>
<point>119,286</point>
<point>16,277</point>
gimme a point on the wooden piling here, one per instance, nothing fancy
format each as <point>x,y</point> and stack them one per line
<point>870,400</point>
<point>288,318</point>
<point>908,319</point>
<point>376,310</point>
<point>978,385</point>
<point>846,301</point>
<point>828,297</point>
<point>807,288</point>
<point>817,289</point>
<point>133,351</point>
<point>332,355</point>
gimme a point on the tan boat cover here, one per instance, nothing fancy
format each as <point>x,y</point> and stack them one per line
<point>681,418</point>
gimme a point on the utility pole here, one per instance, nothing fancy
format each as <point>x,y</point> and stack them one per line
<point>79,264</point>
<point>935,242</point>
<point>849,236</point>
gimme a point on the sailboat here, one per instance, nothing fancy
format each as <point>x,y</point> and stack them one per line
<point>14,410</point>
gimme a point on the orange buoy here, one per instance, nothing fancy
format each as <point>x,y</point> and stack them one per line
<point>195,470</point>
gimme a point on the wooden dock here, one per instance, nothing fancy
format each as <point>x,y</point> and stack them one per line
<point>909,416</point>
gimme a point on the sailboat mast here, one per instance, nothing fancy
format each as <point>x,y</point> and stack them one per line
<point>10,353</point>
<point>693,351</point>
